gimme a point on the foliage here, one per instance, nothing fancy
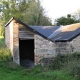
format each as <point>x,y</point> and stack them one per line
<point>56,75</point>
<point>65,21</point>
<point>76,15</point>
<point>2,44</point>
<point>37,70</point>
<point>35,15</point>
<point>69,68</point>
<point>64,60</point>
<point>76,71</point>
<point>5,54</point>
<point>28,11</point>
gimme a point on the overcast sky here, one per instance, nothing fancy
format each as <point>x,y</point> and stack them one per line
<point>59,8</point>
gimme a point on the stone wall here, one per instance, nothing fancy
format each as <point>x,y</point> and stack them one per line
<point>76,44</point>
<point>7,36</point>
<point>63,47</point>
<point>43,48</point>
<point>47,49</point>
<point>16,43</point>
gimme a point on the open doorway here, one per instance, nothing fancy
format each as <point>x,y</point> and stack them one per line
<point>26,49</point>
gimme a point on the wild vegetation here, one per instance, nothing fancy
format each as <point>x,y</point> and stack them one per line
<point>65,67</point>
<point>28,11</point>
<point>70,19</point>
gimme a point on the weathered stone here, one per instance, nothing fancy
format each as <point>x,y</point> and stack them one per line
<point>16,54</point>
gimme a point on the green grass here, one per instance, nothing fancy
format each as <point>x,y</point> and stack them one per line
<point>20,73</point>
<point>56,75</point>
<point>2,44</point>
<point>63,68</point>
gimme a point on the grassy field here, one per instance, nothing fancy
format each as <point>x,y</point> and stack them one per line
<point>65,67</point>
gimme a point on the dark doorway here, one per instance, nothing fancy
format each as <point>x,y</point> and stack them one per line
<point>26,49</point>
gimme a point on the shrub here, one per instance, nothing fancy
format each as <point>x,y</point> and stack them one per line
<point>62,60</point>
<point>5,54</point>
<point>76,72</point>
<point>59,61</point>
<point>2,44</point>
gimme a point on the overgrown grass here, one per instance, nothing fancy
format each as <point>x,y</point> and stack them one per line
<point>65,67</point>
<point>2,44</point>
<point>64,61</point>
<point>69,63</point>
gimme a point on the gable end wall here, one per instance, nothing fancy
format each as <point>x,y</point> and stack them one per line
<point>43,48</point>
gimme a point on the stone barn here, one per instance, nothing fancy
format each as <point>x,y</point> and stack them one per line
<point>37,42</point>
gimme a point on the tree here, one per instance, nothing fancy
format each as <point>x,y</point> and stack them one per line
<point>28,11</point>
<point>66,21</point>
<point>69,16</point>
<point>34,14</point>
<point>76,15</point>
<point>7,10</point>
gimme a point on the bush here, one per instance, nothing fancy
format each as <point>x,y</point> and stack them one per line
<point>62,60</point>
<point>2,44</point>
<point>5,54</point>
<point>59,61</point>
<point>76,72</point>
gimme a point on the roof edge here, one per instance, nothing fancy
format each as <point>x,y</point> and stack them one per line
<point>13,18</point>
<point>9,21</point>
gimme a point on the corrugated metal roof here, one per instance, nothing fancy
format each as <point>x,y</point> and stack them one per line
<point>66,33</point>
<point>45,30</point>
<point>59,33</point>
<point>54,33</point>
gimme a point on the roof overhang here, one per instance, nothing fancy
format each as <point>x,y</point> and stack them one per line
<point>53,33</point>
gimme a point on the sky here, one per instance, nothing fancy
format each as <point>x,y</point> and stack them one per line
<point>57,8</point>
